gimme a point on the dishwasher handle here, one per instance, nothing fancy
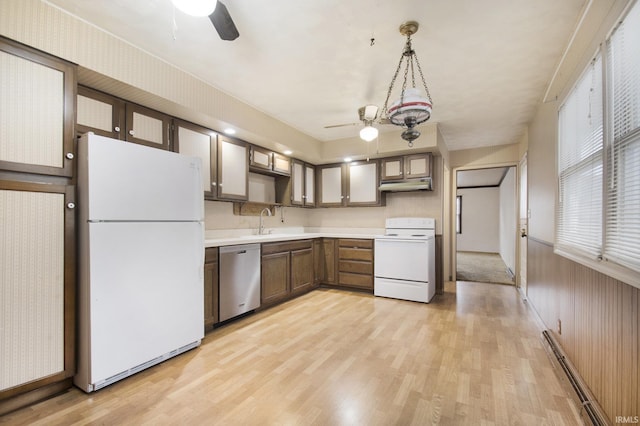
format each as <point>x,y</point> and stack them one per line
<point>239,249</point>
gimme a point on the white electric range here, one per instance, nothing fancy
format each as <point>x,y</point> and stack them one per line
<point>405,260</point>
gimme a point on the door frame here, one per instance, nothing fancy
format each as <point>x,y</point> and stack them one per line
<point>523,232</point>
<point>452,207</point>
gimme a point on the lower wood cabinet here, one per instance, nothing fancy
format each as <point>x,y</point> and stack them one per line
<point>287,270</point>
<point>329,261</point>
<point>318,261</point>
<point>302,277</point>
<point>211,312</point>
<point>37,289</point>
<point>275,273</point>
<point>355,263</point>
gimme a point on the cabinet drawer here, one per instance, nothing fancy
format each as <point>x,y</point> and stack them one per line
<point>357,267</point>
<point>268,248</point>
<point>349,242</point>
<point>346,253</point>
<point>356,280</point>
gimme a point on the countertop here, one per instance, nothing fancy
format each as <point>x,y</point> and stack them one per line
<point>247,236</point>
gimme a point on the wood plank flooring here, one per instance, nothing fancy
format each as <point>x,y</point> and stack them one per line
<point>474,356</point>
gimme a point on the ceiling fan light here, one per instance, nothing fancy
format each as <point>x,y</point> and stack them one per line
<point>195,7</point>
<point>368,133</point>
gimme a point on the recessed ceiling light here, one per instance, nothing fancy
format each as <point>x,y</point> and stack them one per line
<point>230,131</point>
<point>348,159</point>
<point>288,152</point>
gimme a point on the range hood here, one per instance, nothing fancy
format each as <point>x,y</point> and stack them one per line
<point>407,185</point>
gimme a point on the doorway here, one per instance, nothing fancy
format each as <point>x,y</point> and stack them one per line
<point>486,220</point>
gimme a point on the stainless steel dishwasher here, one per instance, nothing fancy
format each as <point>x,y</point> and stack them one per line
<point>239,280</point>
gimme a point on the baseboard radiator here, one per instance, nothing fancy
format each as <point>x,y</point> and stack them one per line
<point>589,406</point>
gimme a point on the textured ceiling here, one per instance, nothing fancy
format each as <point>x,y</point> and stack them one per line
<point>311,63</point>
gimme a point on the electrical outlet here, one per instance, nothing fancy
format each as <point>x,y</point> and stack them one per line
<point>560,327</point>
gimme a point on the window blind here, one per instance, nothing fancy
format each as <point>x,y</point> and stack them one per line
<point>580,166</point>
<point>622,225</point>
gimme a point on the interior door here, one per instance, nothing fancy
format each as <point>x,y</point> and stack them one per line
<point>524,227</point>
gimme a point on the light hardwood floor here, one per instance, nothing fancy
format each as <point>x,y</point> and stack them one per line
<point>473,356</point>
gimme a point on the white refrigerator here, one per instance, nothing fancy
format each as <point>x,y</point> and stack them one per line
<point>141,258</point>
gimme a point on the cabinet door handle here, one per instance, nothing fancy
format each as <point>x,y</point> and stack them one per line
<point>71,205</point>
<point>131,132</point>
<point>69,155</point>
<point>213,184</point>
<point>116,129</point>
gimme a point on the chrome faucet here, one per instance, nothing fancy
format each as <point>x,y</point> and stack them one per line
<point>261,228</point>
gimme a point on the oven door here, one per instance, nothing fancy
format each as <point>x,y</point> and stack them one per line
<point>402,259</point>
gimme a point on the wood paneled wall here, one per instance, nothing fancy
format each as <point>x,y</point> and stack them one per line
<point>600,325</point>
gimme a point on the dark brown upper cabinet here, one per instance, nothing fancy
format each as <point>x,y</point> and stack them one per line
<point>37,128</point>
<point>233,169</point>
<point>412,166</point>
<point>110,116</point>
<point>197,141</point>
<point>349,185</point>
<point>264,161</point>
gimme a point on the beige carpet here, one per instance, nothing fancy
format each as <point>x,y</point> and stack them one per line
<point>482,267</point>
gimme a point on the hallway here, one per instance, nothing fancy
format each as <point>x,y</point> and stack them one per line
<point>482,267</point>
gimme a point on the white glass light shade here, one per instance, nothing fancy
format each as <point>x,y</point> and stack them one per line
<point>196,7</point>
<point>413,105</point>
<point>368,133</point>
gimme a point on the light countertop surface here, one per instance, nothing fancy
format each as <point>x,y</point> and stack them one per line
<point>218,238</point>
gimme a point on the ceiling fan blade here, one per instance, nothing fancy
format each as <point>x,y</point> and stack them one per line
<point>342,125</point>
<point>223,23</point>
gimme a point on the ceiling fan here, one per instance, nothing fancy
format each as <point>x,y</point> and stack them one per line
<point>217,13</point>
<point>367,115</point>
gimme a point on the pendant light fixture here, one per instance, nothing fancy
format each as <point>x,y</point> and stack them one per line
<point>412,108</point>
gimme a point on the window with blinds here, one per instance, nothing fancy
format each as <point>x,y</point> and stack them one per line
<point>622,226</point>
<point>598,209</point>
<point>580,161</point>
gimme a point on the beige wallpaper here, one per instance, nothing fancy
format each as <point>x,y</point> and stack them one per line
<point>39,90</point>
<point>401,204</point>
<point>219,215</point>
